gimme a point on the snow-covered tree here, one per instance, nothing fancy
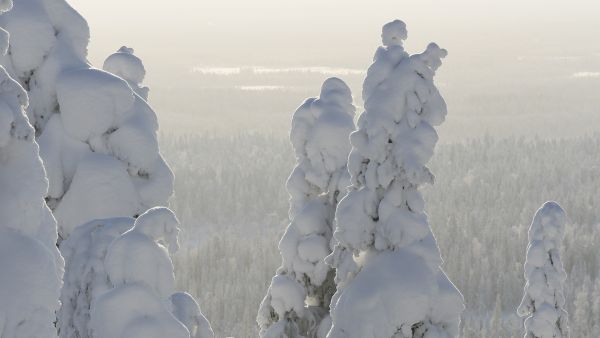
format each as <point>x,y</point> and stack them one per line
<point>97,136</point>
<point>142,301</point>
<point>31,267</point>
<point>297,301</point>
<point>543,300</point>
<point>388,274</point>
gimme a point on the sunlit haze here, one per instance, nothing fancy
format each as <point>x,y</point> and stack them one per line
<point>538,52</point>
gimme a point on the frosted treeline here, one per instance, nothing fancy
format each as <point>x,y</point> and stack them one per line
<point>480,209</point>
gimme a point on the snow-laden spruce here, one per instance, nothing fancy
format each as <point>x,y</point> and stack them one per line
<point>97,136</point>
<point>31,267</point>
<point>141,300</point>
<point>297,301</point>
<point>543,300</point>
<point>388,274</point>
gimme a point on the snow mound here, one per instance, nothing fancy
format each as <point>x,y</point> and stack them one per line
<point>543,300</point>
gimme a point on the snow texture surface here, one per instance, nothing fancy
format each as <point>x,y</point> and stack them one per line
<point>141,300</point>
<point>84,253</point>
<point>543,300</point>
<point>128,67</point>
<point>31,267</point>
<point>298,298</point>
<point>97,133</point>
<point>388,274</point>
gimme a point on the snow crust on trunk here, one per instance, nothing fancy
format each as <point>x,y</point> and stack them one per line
<point>543,299</point>
<point>298,298</point>
<point>97,133</point>
<point>388,274</point>
<point>141,300</point>
<point>31,267</point>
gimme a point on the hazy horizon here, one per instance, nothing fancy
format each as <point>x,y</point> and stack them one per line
<point>510,64</point>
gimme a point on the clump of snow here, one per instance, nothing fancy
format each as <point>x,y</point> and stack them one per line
<point>134,311</point>
<point>142,254</point>
<point>30,264</point>
<point>47,38</point>
<point>388,274</point>
<point>140,300</point>
<point>543,300</point>
<point>84,253</point>
<point>129,67</point>
<point>187,311</point>
<point>394,33</point>
<point>91,125</point>
<point>298,298</point>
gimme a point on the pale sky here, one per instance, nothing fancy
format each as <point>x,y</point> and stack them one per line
<point>264,31</point>
<point>513,56</point>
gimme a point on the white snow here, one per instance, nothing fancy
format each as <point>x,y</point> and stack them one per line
<point>134,311</point>
<point>299,295</point>
<point>142,254</point>
<point>84,253</point>
<point>388,274</point>
<point>141,300</point>
<point>412,291</point>
<point>31,267</point>
<point>128,67</point>
<point>187,311</point>
<point>98,135</point>
<point>543,300</point>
